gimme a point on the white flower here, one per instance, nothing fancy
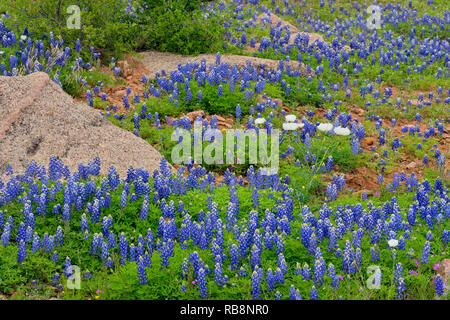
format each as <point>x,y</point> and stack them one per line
<point>325,127</point>
<point>23,37</point>
<point>260,121</point>
<point>393,243</point>
<point>291,118</point>
<point>290,126</point>
<point>341,131</point>
<point>1,53</point>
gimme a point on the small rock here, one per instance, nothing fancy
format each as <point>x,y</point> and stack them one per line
<point>124,68</point>
<point>359,111</point>
<point>412,165</point>
<point>194,114</point>
<point>376,156</point>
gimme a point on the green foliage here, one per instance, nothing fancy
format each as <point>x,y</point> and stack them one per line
<point>340,149</point>
<point>166,25</point>
<point>185,5</point>
<point>71,83</point>
<point>302,92</point>
<point>180,26</point>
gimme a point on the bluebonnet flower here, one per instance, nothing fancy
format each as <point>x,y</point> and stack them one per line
<point>306,272</point>
<point>439,285</point>
<point>123,199</point>
<point>55,279</point>
<point>78,45</point>
<point>255,257</point>
<point>238,111</point>
<point>398,273</point>
<point>255,198</point>
<point>279,244</point>
<point>234,255</point>
<point>278,295</point>
<point>401,243</point>
<point>400,290</point>
<point>242,271</point>
<point>144,210</point>
<point>313,294</point>
<point>68,269</point>
<point>21,232</point>
<point>279,276</point>
<point>184,268</point>
<point>87,275</point>
<point>123,248</point>
<point>167,250</point>
<point>188,95</point>
<point>104,251</point>
<point>329,164</point>
<point>22,251</point>
<point>333,276</point>
<point>381,138</point>
<point>319,271</point>
<point>55,256</point>
<point>374,254</point>
<point>425,252</point>
<point>126,104</point>
<point>417,117</point>
<point>331,192</point>
<point>142,272</point>
<point>136,118</point>
<point>292,293</point>
<point>219,278</point>
<point>270,280</point>
<point>202,284</point>
<point>84,223</point>
<point>109,263</point>
<point>396,144</point>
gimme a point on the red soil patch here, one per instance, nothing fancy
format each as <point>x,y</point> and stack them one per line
<point>362,179</point>
<point>132,76</point>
